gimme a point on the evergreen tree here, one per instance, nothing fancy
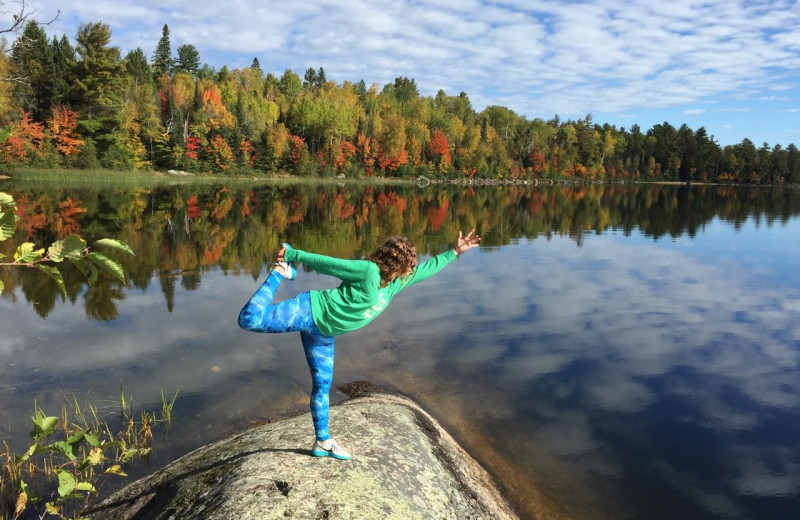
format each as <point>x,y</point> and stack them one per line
<point>162,58</point>
<point>206,72</point>
<point>32,64</point>
<point>137,66</point>
<point>405,90</point>
<point>255,65</point>
<point>98,84</point>
<point>321,79</point>
<point>361,88</point>
<point>223,75</point>
<point>63,61</point>
<point>793,163</point>
<point>310,78</point>
<point>188,60</point>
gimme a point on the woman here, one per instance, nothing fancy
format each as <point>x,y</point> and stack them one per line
<point>367,288</point>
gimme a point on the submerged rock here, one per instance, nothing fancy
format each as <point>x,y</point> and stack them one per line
<point>404,466</point>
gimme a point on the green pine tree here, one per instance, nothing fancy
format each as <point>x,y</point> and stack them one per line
<point>63,62</point>
<point>98,84</point>
<point>137,66</point>
<point>32,62</point>
<point>162,58</point>
<point>188,60</point>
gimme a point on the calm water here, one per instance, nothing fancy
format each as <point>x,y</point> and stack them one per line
<point>608,352</point>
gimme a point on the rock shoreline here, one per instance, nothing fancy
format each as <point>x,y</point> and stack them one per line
<point>405,465</point>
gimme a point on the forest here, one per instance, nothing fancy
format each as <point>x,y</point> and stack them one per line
<point>86,106</point>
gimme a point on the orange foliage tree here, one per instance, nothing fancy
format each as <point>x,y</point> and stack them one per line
<point>62,125</point>
<point>23,143</point>
<point>439,148</point>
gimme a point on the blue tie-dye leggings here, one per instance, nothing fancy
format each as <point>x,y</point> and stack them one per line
<point>260,315</point>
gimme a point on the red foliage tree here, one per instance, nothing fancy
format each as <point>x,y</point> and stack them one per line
<point>346,151</point>
<point>392,163</point>
<point>296,145</point>
<point>440,147</point>
<point>192,208</point>
<point>192,146</point>
<point>536,161</point>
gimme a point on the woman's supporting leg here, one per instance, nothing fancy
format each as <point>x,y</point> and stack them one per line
<point>260,315</point>
<point>319,354</point>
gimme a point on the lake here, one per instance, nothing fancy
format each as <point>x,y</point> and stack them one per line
<point>608,352</point>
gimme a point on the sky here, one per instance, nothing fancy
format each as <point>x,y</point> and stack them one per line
<point>731,66</point>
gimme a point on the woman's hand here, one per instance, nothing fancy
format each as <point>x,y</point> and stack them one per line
<point>467,242</point>
<point>281,254</point>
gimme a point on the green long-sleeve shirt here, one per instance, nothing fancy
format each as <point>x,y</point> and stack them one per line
<point>359,298</point>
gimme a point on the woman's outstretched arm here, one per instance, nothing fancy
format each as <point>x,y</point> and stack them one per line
<point>346,270</point>
<point>433,265</point>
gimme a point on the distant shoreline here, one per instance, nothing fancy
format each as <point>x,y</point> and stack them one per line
<point>137,178</point>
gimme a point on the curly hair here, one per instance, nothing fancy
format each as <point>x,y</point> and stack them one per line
<point>394,258</point>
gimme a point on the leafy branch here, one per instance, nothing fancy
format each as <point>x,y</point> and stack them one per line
<point>72,249</point>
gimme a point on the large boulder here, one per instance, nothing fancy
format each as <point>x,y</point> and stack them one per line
<point>405,466</point>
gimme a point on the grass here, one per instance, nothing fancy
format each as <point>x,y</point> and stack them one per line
<point>112,178</point>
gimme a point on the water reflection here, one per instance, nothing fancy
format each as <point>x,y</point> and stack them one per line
<point>650,372</point>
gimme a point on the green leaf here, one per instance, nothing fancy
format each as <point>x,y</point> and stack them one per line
<point>52,508</point>
<point>119,245</point>
<point>76,437</point>
<point>7,200</point>
<point>91,439</point>
<point>82,265</point>
<point>26,253</point>
<point>43,426</point>
<point>66,483</point>
<point>93,272</point>
<point>55,274</point>
<point>85,486</point>
<point>33,450</point>
<point>108,264</point>
<point>65,449</point>
<point>1,286</point>
<point>71,247</point>
<point>8,223</point>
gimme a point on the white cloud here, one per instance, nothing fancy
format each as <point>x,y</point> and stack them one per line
<point>538,58</point>
<point>695,111</point>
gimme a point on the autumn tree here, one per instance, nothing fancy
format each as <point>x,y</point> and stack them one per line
<point>290,84</point>
<point>439,150</point>
<point>24,140</point>
<point>62,127</point>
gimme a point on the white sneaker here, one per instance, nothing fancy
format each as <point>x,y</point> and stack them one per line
<point>329,448</point>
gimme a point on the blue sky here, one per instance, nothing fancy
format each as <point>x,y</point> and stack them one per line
<point>729,65</point>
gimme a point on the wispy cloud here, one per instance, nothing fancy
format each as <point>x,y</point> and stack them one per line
<point>692,112</point>
<point>535,57</point>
